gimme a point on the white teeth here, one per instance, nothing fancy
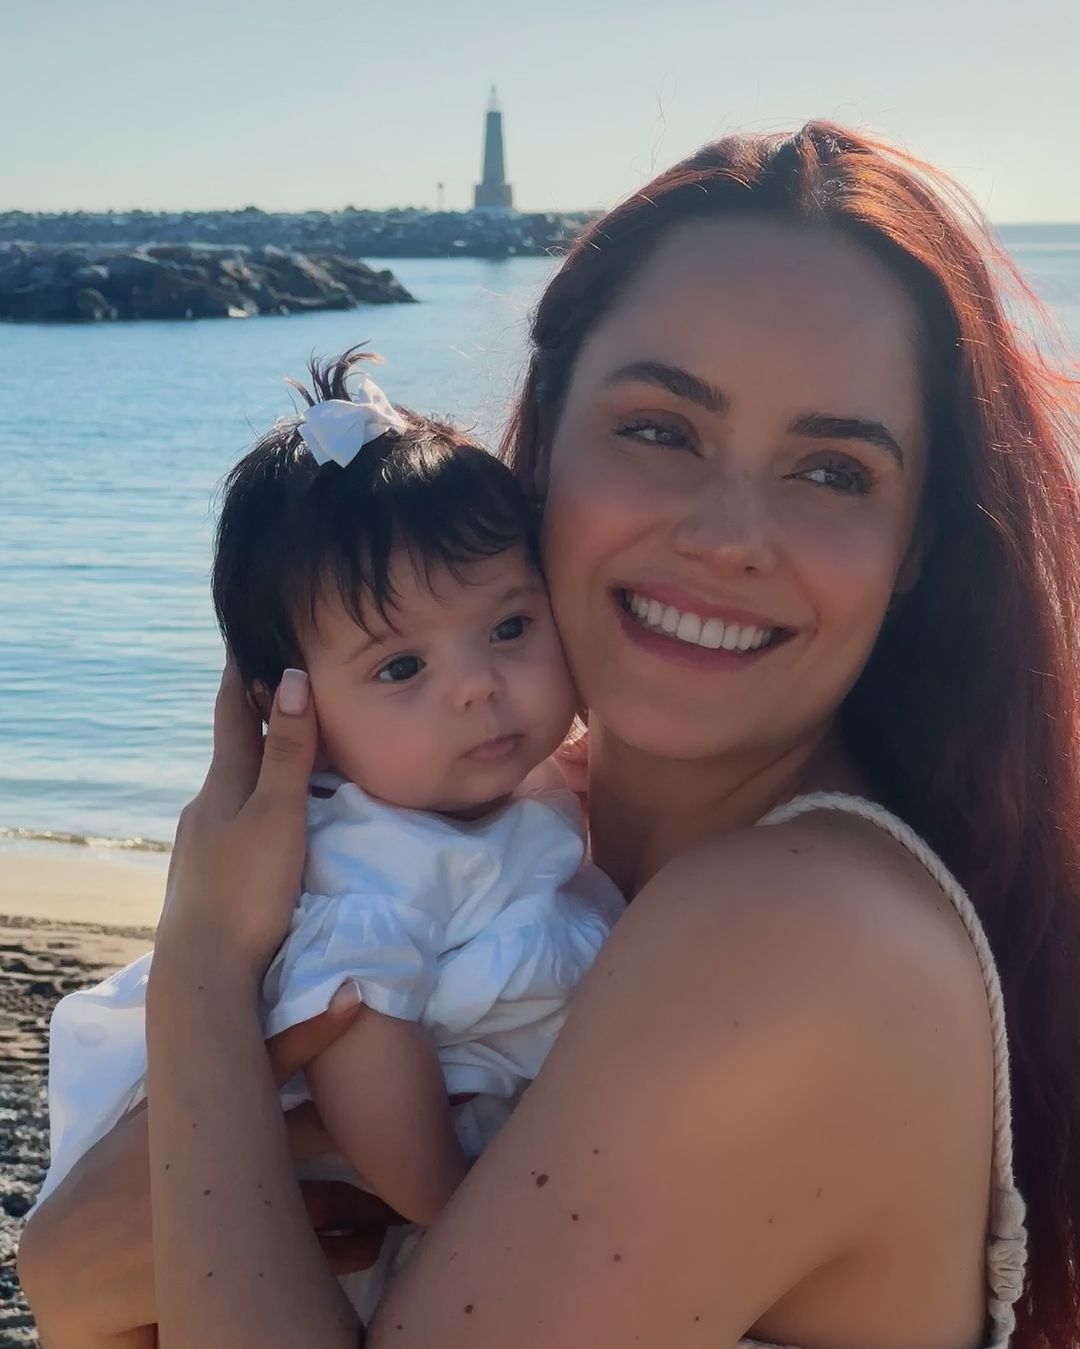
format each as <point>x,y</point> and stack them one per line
<point>711,633</point>
<point>689,628</point>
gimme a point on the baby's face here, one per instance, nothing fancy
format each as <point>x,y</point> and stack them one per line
<point>452,707</point>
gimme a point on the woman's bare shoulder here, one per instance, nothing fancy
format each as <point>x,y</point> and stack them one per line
<point>827,904</point>
<point>821,956</point>
<point>740,1087</point>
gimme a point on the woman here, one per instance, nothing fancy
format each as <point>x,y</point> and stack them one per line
<point>809,523</point>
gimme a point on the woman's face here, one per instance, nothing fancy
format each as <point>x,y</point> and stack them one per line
<point>733,486</point>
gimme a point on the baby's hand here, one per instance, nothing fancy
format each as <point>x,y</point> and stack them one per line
<point>567,769</point>
<point>546,777</point>
<point>572,759</point>
<point>294,1048</point>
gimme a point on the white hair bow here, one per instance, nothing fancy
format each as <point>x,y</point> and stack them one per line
<point>339,428</point>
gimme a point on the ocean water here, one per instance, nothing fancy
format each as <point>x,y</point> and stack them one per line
<point>113,438</point>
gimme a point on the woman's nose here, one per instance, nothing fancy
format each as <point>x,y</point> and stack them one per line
<point>727,525</point>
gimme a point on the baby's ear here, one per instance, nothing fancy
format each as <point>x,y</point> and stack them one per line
<point>261,699</point>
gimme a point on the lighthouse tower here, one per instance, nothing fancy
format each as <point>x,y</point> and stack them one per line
<point>493,192</point>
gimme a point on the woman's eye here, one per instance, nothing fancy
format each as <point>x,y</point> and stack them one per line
<point>511,628</point>
<point>653,432</point>
<point>847,478</point>
<point>398,670</point>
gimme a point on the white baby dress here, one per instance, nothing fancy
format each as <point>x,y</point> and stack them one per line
<point>480,931</point>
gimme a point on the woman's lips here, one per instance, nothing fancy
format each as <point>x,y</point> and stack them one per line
<point>686,648</point>
<point>689,617</point>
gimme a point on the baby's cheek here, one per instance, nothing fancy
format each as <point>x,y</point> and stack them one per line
<point>403,754</point>
<point>552,695</point>
<point>352,734</point>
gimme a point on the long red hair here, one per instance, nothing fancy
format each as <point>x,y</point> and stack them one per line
<point>965,720</point>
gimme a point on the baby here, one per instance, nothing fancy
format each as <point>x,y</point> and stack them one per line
<point>446,874</point>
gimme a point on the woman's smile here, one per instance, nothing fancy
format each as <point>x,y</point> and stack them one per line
<point>675,625</point>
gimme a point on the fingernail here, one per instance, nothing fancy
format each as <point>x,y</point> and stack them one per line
<point>293,693</point>
<point>346,998</point>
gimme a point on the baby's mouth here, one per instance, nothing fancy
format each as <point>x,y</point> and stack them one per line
<point>496,749</point>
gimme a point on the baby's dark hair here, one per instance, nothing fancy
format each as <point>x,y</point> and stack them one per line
<point>291,531</point>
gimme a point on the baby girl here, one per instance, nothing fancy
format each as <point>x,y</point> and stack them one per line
<point>396,562</point>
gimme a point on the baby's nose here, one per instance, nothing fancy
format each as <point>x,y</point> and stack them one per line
<point>478,682</point>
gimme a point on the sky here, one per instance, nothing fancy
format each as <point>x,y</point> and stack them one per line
<point>200,104</point>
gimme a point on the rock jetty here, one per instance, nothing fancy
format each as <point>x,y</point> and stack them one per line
<point>400,233</point>
<point>43,283</point>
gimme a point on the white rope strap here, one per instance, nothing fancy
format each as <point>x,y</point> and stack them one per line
<point>1007,1238</point>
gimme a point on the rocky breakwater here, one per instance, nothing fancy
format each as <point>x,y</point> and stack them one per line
<point>41,283</point>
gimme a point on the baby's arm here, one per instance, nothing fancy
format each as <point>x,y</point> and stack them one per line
<point>381,1094</point>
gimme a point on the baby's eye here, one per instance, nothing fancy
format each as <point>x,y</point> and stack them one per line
<point>668,435</point>
<point>398,670</point>
<point>511,628</point>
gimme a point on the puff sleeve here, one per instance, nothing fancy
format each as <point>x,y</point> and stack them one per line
<point>389,948</point>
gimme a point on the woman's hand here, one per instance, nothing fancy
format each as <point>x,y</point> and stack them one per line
<point>239,851</point>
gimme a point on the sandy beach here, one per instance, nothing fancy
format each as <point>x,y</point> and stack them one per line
<point>68,917</point>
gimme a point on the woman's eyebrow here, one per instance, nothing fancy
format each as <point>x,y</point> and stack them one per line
<point>675,380</point>
<point>825,427</point>
<point>822,425</point>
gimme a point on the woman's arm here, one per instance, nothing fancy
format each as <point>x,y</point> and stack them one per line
<point>228,1218</point>
<point>757,1072</point>
<point>85,1261</point>
<point>759,1069</point>
<point>235,1261</point>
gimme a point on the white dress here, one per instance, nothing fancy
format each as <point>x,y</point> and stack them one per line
<point>479,931</point>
